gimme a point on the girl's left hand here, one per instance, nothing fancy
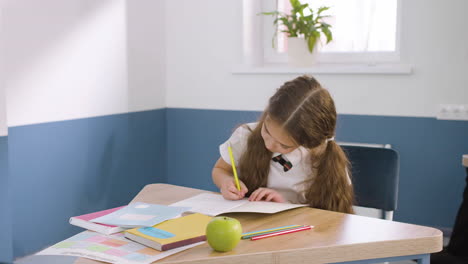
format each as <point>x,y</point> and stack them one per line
<point>268,195</point>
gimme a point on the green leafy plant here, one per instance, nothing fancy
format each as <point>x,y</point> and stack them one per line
<point>297,24</point>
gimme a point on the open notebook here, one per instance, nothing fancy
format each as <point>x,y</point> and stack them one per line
<point>215,204</point>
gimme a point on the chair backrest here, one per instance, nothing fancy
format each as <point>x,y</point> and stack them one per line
<point>375,174</point>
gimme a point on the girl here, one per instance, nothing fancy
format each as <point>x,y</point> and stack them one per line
<point>290,154</point>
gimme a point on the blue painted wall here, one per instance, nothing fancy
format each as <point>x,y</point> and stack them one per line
<point>68,168</point>
<point>193,137</point>
<point>5,216</point>
<point>431,175</point>
<point>61,169</point>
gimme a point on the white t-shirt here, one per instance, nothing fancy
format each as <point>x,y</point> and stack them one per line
<point>290,183</point>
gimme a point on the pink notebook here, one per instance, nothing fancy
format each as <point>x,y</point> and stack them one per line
<point>84,222</point>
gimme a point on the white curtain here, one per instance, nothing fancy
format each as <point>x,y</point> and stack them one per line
<point>357,25</point>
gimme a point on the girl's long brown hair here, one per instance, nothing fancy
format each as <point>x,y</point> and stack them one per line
<point>307,113</point>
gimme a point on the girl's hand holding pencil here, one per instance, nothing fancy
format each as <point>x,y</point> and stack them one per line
<point>231,187</point>
<point>229,190</point>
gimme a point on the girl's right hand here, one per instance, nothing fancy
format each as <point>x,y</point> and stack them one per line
<point>229,190</point>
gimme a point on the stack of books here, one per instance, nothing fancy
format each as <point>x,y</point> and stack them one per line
<point>163,227</point>
<point>156,226</point>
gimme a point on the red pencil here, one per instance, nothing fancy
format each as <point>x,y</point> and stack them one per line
<point>282,232</point>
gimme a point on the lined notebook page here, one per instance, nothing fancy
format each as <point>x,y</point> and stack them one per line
<point>215,204</point>
<point>264,207</point>
<point>209,204</point>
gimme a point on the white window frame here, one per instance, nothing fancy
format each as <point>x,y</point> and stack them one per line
<point>261,58</point>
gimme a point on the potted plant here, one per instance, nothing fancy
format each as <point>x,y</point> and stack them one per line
<point>304,27</point>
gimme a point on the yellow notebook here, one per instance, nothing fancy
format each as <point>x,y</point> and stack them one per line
<point>172,233</point>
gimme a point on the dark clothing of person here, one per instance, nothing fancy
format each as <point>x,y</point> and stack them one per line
<point>456,251</point>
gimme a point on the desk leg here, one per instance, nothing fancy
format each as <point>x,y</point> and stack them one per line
<point>426,259</point>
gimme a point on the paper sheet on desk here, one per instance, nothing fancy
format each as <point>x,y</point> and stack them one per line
<point>215,204</point>
<point>111,248</point>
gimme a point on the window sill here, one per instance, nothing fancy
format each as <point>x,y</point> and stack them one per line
<point>327,68</point>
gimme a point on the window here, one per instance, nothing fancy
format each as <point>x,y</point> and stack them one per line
<point>365,32</point>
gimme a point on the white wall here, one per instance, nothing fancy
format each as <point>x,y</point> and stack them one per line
<point>203,46</point>
<point>3,120</point>
<point>146,54</point>
<point>68,60</point>
<point>83,58</point>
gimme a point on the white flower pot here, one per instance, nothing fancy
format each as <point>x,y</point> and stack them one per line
<point>299,55</point>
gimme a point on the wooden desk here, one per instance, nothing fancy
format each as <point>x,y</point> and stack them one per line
<point>336,238</point>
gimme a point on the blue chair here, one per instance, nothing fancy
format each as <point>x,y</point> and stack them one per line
<point>375,174</point>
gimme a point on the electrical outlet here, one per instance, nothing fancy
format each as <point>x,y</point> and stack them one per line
<point>452,112</point>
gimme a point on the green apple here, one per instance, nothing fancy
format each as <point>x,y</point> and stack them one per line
<point>223,233</point>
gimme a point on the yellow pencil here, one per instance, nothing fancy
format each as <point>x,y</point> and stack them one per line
<point>234,170</point>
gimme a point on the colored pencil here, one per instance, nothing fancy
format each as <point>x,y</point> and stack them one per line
<point>284,232</point>
<point>267,231</point>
